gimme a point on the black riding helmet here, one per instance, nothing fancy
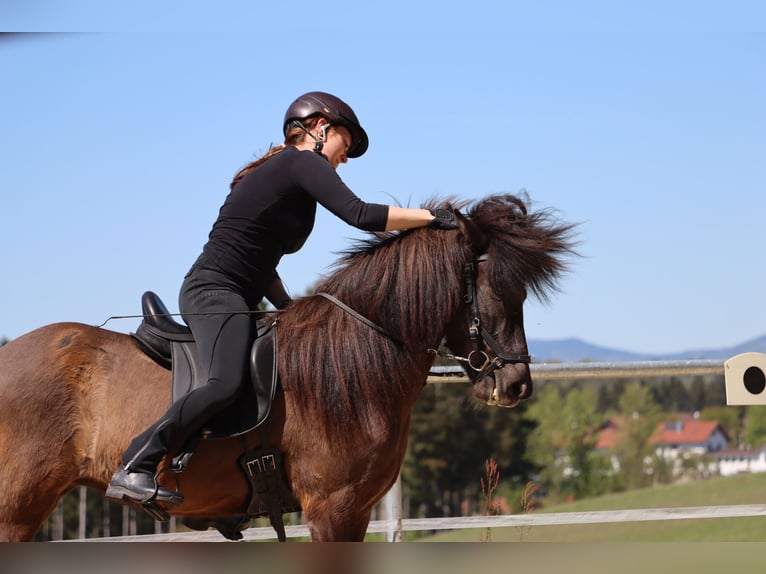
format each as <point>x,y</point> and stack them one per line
<point>337,112</point>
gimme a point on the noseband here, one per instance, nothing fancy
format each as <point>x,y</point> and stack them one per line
<point>478,359</point>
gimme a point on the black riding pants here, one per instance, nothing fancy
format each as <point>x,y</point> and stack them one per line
<point>220,320</point>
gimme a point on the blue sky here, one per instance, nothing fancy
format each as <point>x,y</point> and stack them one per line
<point>643,121</point>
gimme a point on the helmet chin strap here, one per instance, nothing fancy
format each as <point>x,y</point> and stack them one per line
<point>319,145</point>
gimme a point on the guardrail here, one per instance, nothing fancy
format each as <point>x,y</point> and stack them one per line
<point>469,522</point>
<point>553,371</point>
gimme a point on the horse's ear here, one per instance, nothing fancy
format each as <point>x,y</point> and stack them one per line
<point>475,236</point>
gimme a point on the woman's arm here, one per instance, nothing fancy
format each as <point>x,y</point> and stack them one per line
<point>315,175</point>
<point>277,294</point>
<point>407,218</point>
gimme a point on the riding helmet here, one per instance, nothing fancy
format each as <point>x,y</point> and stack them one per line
<point>337,112</point>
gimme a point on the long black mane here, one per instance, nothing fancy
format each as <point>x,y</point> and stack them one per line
<point>409,283</point>
<point>528,248</point>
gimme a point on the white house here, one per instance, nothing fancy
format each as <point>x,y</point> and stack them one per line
<point>688,436</point>
<point>688,443</point>
<point>730,462</point>
<point>687,439</point>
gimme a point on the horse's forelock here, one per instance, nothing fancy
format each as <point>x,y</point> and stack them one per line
<point>528,248</point>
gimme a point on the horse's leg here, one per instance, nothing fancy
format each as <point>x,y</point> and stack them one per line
<point>31,483</point>
<point>27,498</point>
<point>40,451</point>
<point>339,495</point>
<point>22,513</point>
<point>335,519</point>
<point>339,479</point>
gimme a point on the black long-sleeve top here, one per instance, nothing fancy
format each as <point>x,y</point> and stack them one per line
<point>271,212</point>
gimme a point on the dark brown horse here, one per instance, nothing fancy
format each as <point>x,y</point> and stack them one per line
<point>72,396</point>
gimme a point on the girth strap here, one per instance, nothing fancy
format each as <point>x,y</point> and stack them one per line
<point>270,494</point>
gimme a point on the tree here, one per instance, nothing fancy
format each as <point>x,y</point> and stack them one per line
<point>563,443</point>
<point>715,390</point>
<point>672,395</point>
<point>640,418</point>
<point>755,429</point>
<point>451,437</point>
<point>547,444</point>
<point>698,394</point>
<point>609,393</point>
<point>582,419</point>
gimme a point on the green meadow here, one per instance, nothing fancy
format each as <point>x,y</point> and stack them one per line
<point>722,491</point>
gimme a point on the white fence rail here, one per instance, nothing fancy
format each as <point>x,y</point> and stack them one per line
<point>560,371</point>
<point>468,522</point>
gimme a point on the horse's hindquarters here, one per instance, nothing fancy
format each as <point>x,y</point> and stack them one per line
<point>71,398</point>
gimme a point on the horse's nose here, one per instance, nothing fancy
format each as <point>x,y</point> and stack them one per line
<point>513,384</point>
<point>505,387</point>
<point>526,387</point>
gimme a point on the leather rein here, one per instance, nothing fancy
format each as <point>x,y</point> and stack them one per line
<point>359,317</point>
<point>478,359</point>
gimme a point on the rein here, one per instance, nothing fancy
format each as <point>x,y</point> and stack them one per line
<point>478,334</point>
<point>360,317</point>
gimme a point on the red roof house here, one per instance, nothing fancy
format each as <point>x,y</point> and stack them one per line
<point>690,434</point>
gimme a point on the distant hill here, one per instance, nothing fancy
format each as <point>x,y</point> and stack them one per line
<point>576,350</point>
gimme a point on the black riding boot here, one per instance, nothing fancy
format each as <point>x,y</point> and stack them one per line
<point>135,480</point>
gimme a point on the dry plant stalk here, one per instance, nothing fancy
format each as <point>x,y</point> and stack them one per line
<point>488,487</point>
<point>528,504</point>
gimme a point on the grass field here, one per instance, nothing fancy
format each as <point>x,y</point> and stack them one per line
<point>743,489</point>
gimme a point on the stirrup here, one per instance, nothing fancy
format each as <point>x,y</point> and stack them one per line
<point>153,510</point>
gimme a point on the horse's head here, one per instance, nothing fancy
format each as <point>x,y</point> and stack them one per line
<point>488,334</point>
<point>509,253</point>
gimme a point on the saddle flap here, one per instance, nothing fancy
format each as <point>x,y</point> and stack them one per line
<point>263,367</point>
<point>254,404</point>
<point>185,370</point>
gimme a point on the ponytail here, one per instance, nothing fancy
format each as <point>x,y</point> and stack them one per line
<point>274,150</point>
<point>294,136</point>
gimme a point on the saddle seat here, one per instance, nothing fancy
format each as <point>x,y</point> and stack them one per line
<point>158,329</point>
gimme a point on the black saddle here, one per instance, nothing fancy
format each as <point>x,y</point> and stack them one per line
<point>172,346</point>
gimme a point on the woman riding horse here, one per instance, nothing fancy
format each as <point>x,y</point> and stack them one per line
<point>72,395</point>
<point>269,212</point>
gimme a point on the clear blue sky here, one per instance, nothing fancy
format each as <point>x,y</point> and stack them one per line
<point>646,122</point>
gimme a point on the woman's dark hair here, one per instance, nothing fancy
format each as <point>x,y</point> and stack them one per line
<point>294,136</point>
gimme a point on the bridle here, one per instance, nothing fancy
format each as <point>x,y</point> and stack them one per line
<point>478,359</point>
